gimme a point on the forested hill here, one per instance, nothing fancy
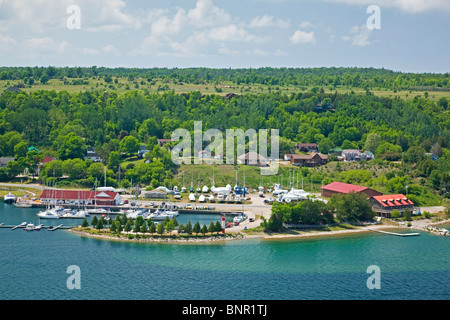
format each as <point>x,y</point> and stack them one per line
<point>350,77</point>
<point>63,124</point>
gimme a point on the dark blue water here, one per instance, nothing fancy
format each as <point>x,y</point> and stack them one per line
<point>33,265</point>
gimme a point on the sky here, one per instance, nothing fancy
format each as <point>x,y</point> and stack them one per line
<point>413,35</point>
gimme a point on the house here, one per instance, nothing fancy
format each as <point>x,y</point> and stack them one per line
<point>93,156</point>
<point>288,156</point>
<point>344,188</point>
<point>253,159</point>
<point>357,155</point>
<point>432,156</point>
<point>98,198</point>
<point>162,142</point>
<point>307,147</point>
<point>205,154</point>
<point>154,194</point>
<point>384,205</point>
<point>142,151</point>
<point>44,162</point>
<point>5,160</point>
<point>309,160</point>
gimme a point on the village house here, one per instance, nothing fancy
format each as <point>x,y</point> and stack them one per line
<point>309,160</point>
<point>253,159</point>
<point>98,198</point>
<point>384,205</point>
<point>307,147</point>
<point>93,156</point>
<point>344,188</point>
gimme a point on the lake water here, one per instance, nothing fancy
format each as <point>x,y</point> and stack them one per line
<point>33,265</point>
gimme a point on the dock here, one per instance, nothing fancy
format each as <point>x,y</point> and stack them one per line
<point>50,228</point>
<point>397,234</point>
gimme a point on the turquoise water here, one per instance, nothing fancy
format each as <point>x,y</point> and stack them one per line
<point>33,265</point>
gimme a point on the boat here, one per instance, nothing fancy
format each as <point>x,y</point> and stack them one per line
<point>202,198</point>
<point>9,198</point>
<point>237,198</point>
<point>98,211</point>
<point>236,221</point>
<point>49,214</point>
<point>29,227</point>
<point>211,198</point>
<point>220,197</point>
<point>192,197</point>
<point>23,204</point>
<point>72,214</point>
<point>183,190</point>
<point>38,228</point>
<point>165,212</point>
<point>205,189</point>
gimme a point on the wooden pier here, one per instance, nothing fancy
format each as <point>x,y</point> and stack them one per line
<point>397,234</point>
<point>50,228</point>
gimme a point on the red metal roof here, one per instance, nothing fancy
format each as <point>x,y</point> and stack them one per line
<point>343,187</point>
<point>393,200</point>
<point>75,194</point>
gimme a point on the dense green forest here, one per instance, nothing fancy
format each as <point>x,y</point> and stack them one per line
<point>63,124</point>
<point>351,77</point>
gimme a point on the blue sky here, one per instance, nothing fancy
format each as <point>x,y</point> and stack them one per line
<point>227,34</point>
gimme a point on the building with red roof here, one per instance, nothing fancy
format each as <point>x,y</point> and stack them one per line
<point>385,204</point>
<point>344,188</point>
<point>99,198</point>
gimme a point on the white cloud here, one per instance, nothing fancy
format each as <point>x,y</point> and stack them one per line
<point>359,36</point>
<point>205,14</point>
<point>268,21</point>
<point>37,43</point>
<point>301,37</point>
<point>410,6</point>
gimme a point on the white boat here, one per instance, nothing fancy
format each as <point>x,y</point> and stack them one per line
<point>225,190</point>
<point>202,198</point>
<point>205,189</point>
<point>211,198</point>
<point>192,197</point>
<point>38,228</point>
<point>22,204</point>
<point>236,221</point>
<point>29,227</point>
<point>183,190</point>
<point>237,198</point>
<point>49,214</point>
<point>97,211</point>
<point>9,198</point>
<point>220,197</point>
<point>72,214</point>
<point>163,213</point>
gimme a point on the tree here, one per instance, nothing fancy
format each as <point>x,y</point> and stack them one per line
<point>352,207</point>
<point>160,228</point>
<point>20,150</point>
<point>94,221</point>
<point>129,145</point>
<point>85,223</point>
<point>218,227</point>
<point>372,142</point>
<point>204,229</point>
<point>197,228</point>
<point>99,225</point>
<point>152,228</point>
<point>114,160</point>
<point>188,227</point>
<point>72,147</point>
<point>211,227</point>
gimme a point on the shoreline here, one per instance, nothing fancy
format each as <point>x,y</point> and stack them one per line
<point>239,236</point>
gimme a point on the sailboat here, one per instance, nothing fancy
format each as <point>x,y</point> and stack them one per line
<point>21,203</point>
<point>51,212</point>
<point>9,198</point>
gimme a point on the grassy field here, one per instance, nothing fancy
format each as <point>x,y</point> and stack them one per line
<point>123,85</point>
